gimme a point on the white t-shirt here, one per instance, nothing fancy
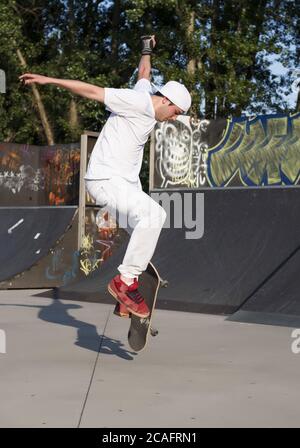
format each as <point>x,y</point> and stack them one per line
<point>120,146</point>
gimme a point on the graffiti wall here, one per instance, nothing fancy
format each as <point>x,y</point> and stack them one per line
<point>102,237</point>
<point>260,151</point>
<point>39,175</point>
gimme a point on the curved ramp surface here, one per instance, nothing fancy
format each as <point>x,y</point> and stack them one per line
<point>28,233</point>
<point>94,287</point>
<point>248,234</point>
<point>277,300</point>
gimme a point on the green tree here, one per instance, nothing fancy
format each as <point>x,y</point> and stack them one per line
<point>219,48</point>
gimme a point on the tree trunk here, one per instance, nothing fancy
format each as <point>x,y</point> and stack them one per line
<point>73,114</point>
<point>210,99</point>
<point>39,104</point>
<point>115,36</point>
<point>191,65</point>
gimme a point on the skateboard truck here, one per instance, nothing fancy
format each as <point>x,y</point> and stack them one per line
<point>163,283</point>
<point>140,328</point>
<point>153,331</point>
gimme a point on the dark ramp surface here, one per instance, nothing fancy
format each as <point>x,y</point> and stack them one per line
<point>94,287</point>
<point>249,233</point>
<point>28,233</point>
<point>277,301</point>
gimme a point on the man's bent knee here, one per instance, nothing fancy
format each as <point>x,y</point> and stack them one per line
<point>157,216</point>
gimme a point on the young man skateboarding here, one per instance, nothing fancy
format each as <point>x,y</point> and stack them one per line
<point>112,177</point>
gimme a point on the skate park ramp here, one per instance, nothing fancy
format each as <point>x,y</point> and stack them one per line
<point>94,287</point>
<point>27,234</point>
<point>277,300</point>
<point>250,236</point>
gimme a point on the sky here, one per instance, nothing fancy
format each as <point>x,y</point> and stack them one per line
<point>279,69</point>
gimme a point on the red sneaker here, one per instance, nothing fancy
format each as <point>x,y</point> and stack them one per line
<point>128,296</point>
<point>121,310</point>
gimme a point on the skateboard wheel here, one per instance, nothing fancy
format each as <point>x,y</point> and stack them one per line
<point>153,331</point>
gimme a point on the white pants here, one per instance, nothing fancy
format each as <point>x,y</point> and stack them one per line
<point>135,211</point>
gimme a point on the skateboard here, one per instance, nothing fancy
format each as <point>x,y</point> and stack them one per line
<point>149,283</point>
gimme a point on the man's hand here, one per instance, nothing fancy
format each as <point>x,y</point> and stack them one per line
<point>148,44</point>
<point>30,78</point>
<point>84,89</point>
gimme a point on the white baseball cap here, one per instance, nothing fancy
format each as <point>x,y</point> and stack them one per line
<point>177,93</point>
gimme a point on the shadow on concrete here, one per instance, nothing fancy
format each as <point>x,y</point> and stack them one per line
<point>87,335</point>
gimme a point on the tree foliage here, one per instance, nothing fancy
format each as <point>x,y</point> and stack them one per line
<point>221,49</point>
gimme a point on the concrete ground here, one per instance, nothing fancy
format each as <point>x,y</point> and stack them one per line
<point>68,364</point>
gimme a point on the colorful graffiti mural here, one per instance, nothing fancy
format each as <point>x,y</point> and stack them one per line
<point>61,270</point>
<point>102,237</point>
<point>39,175</point>
<point>260,151</point>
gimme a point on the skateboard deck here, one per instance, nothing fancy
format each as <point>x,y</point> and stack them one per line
<point>149,283</point>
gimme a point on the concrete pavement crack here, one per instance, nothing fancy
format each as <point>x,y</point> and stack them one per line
<point>94,369</point>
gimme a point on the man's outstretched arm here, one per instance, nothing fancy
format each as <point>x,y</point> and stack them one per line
<point>145,62</point>
<point>145,67</point>
<point>78,87</point>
